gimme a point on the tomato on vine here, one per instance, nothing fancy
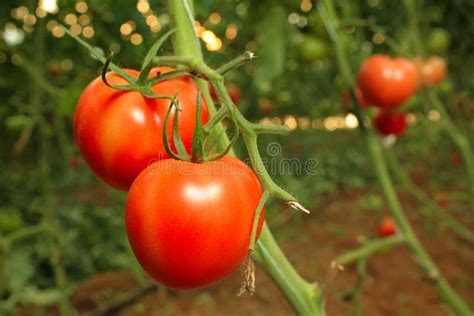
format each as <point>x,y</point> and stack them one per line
<point>119,132</point>
<point>189,224</point>
<point>390,123</point>
<point>431,71</point>
<point>387,82</point>
<point>438,41</point>
<point>312,48</point>
<point>387,227</point>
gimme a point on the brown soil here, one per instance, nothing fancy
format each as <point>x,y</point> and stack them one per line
<point>395,284</point>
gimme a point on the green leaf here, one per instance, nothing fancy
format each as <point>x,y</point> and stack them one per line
<point>96,53</point>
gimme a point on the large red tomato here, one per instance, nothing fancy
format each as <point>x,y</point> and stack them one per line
<point>387,82</point>
<point>190,224</point>
<point>390,123</point>
<point>120,132</point>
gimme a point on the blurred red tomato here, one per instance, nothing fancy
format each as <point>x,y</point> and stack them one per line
<point>387,82</point>
<point>431,71</point>
<point>387,227</point>
<point>390,123</point>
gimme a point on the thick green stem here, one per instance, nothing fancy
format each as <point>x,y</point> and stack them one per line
<point>327,10</point>
<point>304,297</point>
<point>423,198</point>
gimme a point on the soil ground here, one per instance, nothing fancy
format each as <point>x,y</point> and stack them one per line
<point>395,284</point>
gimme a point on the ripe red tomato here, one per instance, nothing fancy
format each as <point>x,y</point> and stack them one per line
<point>387,227</point>
<point>189,224</point>
<point>387,82</point>
<point>346,97</point>
<point>390,123</point>
<point>431,71</point>
<point>119,132</point>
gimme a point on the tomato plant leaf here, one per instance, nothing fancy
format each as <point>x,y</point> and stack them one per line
<point>99,55</point>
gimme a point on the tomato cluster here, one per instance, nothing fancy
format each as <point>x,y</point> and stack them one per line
<point>386,83</point>
<point>189,224</point>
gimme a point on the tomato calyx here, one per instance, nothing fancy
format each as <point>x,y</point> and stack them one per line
<point>143,84</point>
<point>200,135</point>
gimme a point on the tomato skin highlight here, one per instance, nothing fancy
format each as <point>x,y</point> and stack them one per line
<point>189,224</point>
<point>387,82</point>
<point>387,227</point>
<point>390,123</point>
<point>119,132</point>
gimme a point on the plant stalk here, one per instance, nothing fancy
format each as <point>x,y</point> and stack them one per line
<point>305,298</point>
<point>457,137</point>
<point>327,11</point>
<point>424,199</point>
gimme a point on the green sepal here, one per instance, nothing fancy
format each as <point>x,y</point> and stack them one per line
<point>198,144</point>
<point>178,143</point>
<point>147,62</point>
<point>165,135</point>
<point>99,56</point>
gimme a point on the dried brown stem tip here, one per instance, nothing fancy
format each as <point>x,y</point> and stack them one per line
<point>248,277</point>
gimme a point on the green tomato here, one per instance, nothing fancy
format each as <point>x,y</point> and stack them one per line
<point>9,222</point>
<point>312,48</point>
<point>16,123</point>
<point>438,41</point>
<point>317,25</point>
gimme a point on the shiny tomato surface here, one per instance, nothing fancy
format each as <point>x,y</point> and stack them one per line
<point>189,224</point>
<point>120,132</point>
<point>387,82</point>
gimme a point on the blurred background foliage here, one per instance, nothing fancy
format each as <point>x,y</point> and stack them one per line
<point>294,81</point>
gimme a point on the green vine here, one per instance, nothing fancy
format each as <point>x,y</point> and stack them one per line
<point>328,13</point>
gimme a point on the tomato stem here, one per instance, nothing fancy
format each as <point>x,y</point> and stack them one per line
<point>304,297</point>
<point>368,248</point>
<point>459,139</point>
<point>409,186</point>
<point>455,302</point>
